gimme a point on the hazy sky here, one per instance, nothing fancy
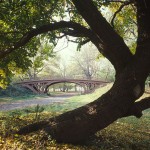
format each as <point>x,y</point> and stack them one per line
<point>65,49</point>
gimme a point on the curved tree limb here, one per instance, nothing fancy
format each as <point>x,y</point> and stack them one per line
<point>138,107</point>
<point>47,28</point>
<point>143,104</point>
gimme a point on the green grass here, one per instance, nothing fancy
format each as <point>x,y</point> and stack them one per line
<point>25,97</point>
<point>74,102</point>
<point>124,134</point>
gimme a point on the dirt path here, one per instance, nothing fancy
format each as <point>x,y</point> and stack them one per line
<point>27,103</point>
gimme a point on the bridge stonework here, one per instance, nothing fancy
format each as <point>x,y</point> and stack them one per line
<point>41,86</point>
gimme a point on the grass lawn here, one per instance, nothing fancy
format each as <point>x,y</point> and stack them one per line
<point>124,134</point>
<point>25,97</point>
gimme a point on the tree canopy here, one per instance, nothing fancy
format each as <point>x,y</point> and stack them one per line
<point>23,23</point>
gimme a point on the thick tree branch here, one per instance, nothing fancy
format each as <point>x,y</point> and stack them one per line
<point>47,28</point>
<point>33,127</point>
<point>113,44</point>
<point>142,55</point>
<point>74,33</point>
<point>138,107</point>
<point>143,16</point>
<point>143,103</point>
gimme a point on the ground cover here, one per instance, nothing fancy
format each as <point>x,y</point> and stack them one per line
<point>126,133</point>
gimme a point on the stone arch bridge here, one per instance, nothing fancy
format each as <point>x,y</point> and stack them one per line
<point>41,86</point>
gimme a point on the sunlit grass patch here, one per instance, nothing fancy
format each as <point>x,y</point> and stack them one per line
<point>92,96</point>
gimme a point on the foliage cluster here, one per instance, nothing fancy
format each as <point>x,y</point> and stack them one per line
<point>17,18</point>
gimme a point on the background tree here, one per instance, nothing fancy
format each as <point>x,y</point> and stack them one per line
<point>106,71</point>
<point>44,53</point>
<point>85,20</point>
<point>87,62</point>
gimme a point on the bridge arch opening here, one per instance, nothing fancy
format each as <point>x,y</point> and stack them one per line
<point>65,88</point>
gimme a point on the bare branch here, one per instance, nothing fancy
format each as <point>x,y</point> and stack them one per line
<point>85,41</point>
<point>61,36</point>
<point>120,8</point>
<point>63,47</point>
<point>73,41</point>
<point>40,70</point>
<point>81,43</point>
<point>116,1</point>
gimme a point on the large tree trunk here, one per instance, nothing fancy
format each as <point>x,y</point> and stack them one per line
<point>131,72</point>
